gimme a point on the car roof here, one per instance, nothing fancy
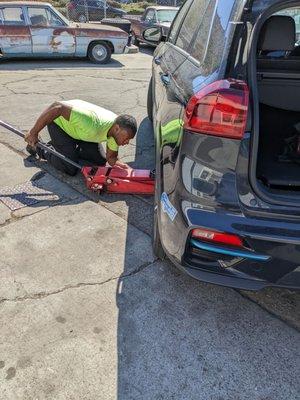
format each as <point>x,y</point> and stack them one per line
<point>24,3</point>
<point>163,8</point>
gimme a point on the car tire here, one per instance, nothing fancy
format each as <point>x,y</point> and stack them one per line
<point>150,101</point>
<point>157,247</point>
<point>82,18</point>
<point>158,250</point>
<point>99,53</point>
<point>134,39</point>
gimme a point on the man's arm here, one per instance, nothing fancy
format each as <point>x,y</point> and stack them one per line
<point>56,110</point>
<point>112,159</point>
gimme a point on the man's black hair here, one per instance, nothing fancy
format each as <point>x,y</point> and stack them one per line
<point>127,122</point>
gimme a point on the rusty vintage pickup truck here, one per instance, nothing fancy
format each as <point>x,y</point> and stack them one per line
<point>33,29</point>
<point>153,17</point>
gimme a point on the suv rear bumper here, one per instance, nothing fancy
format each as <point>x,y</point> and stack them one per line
<point>220,279</point>
<point>275,250</point>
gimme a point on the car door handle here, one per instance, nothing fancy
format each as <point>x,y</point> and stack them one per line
<point>165,78</point>
<point>157,60</point>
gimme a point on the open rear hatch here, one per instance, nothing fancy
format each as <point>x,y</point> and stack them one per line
<point>277,169</point>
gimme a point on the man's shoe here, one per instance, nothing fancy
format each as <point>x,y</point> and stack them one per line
<point>41,153</point>
<point>36,152</point>
<point>31,150</point>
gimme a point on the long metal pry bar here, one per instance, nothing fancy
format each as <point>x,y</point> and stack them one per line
<point>41,145</point>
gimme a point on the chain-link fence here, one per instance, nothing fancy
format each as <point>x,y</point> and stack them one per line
<point>96,10</point>
<point>92,10</point>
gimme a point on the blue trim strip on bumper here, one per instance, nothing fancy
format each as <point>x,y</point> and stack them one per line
<point>234,253</point>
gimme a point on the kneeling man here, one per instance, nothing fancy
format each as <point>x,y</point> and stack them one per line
<point>77,129</point>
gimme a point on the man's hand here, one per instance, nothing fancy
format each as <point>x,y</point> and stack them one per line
<point>56,110</point>
<point>31,138</point>
<point>121,165</point>
<point>113,161</point>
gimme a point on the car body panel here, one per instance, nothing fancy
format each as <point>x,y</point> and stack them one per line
<point>69,39</point>
<point>50,41</point>
<point>203,179</point>
<point>15,40</point>
<point>87,33</point>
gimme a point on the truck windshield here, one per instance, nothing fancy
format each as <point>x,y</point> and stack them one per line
<point>166,15</point>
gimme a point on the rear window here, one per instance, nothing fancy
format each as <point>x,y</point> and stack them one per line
<point>178,20</point>
<point>38,16</point>
<point>12,16</point>
<point>200,43</point>
<point>215,47</point>
<point>196,16</point>
<point>54,19</point>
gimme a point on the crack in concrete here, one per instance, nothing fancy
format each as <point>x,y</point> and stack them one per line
<point>42,295</point>
<point>10,147</point>
<point>11,219</point>
<point>95,74</point>
<point>15,91</point>
<point>20,80</point>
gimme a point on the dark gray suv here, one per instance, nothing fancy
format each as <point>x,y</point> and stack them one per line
<point>224,98</point>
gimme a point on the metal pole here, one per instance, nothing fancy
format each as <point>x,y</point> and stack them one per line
<point>41,145</point>
<point>105,8</point>
<point>86,11</point>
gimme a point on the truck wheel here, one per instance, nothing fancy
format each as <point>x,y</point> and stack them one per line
<point>134,40</point>
<point>99,53</point>
<point>150,101</point>
<point>82,18</point>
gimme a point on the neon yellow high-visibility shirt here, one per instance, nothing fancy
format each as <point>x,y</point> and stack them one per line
<point>89,123</point>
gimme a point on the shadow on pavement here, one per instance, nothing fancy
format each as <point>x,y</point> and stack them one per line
<point>183,339</point>
<point>146,49</point>
<point>41,190</point>
<point>144,153</point>
<point>42,64</point>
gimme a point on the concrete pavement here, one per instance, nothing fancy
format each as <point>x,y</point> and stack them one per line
<point>85,310</point>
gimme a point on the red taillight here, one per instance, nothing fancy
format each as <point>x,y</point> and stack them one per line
<point>217,237</point>
<point>219,109</point>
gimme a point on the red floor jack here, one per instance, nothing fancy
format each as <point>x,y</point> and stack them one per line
<point>105,179</point>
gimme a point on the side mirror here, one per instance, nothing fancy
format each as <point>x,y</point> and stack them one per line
<point>153,35</point>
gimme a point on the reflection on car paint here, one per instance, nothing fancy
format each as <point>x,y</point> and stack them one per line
<point>171,132</point>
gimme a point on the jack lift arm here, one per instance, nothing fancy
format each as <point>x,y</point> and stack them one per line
<point>104,179</point>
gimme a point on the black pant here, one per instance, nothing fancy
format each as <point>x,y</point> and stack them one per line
<point>73,149</point>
